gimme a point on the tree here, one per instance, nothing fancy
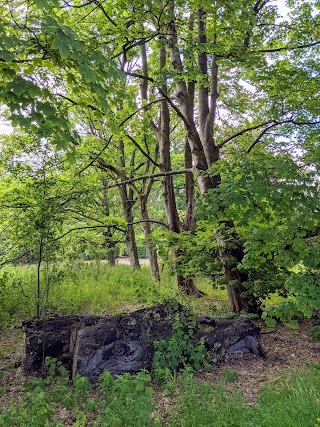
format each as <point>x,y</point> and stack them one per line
<point>234,77</point>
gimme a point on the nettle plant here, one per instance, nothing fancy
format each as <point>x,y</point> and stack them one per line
<point>180,350</point>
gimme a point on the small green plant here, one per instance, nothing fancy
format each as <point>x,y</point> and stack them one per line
<point>179,349</point>
<point>230,376</point>
<point>51,364</point>
<point>81,385</point>
<point>126,400</point>
<point>315,333</point>
<point>167,379</point>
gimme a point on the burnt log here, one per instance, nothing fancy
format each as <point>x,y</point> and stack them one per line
<point>234,338</point>
<point>90,345</point>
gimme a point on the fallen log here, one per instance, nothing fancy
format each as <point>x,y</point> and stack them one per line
<point>90,345</point>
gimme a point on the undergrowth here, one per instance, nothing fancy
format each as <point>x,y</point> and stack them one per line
<point>130,401</point>
<point>92,288</point>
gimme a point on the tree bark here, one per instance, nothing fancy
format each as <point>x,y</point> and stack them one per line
<point>187,285</point>
<point>152,252</point>
<point>126,196</point>
<point>108,234</point>
<point>130,234</point>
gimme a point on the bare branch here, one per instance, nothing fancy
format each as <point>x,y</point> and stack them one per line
<point>148,220</point>
<point>279,49</point>
<point>151,176</point>
<point>241,132</point>
<point>274,123</point>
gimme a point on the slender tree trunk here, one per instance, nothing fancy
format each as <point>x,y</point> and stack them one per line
<point>143,197</point>
<point>152,252</point>
<point>39,277</point>
<point>130,234</point>
<point>108,234</point>
<point>186,284</point>
<point>189,221</point>
<point>127,201</point>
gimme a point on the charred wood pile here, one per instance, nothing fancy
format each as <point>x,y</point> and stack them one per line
<point>90,345</point>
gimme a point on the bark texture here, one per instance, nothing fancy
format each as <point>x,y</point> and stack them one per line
<point>90,345</point>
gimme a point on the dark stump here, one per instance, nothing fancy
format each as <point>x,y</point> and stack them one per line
<point>90,345</point>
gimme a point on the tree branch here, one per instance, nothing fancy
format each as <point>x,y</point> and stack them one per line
<point>274,123</point>
<point>279,49</point>
<point>142,150</point>
<point>151,176</point>
<point>257,140</point>
<point>172,104</point>
<point>148,220</point>
<point>86,227</point>
<point>241,132</point>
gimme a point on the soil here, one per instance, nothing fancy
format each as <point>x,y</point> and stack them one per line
<point>287,350</point>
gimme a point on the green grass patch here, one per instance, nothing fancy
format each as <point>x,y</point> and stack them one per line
<point>130,401</point>
<point>296,402</point>
<point>93,288</point>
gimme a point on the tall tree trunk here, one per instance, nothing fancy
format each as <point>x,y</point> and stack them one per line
<point>187,285</point>
<point>189,222</point>
<point>127,205</point>
<point>205,153</point>
<point>143,197</point>
<point>108,234</point>
<point>152,252</point>
<point>130,233</point>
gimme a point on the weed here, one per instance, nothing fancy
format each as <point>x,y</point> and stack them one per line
<point>230,375</point>
<point>315,333</point>
<point>179,349</point>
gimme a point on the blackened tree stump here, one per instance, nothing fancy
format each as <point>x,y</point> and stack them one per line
<point>90,345</point>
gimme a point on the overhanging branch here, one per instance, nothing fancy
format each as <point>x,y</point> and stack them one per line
<point>151,176</point>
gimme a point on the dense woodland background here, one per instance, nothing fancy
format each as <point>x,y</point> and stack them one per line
<point>182,130</point>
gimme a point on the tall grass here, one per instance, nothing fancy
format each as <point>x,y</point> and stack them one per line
<point>92,288</point>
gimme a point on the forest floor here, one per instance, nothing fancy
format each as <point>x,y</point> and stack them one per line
<point>96,288</point>
<point>287,350</point>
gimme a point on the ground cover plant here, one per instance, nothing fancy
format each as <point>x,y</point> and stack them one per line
<point>164,397</point>
<point>130,401</point>
<point>91,288</point>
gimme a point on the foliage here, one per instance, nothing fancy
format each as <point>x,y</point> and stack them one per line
<point>315,333</point>
<point>87,287</point>
<point>125,400</point>
<point>179,349</point>
<point>274,208</point>
<point>128,400</point>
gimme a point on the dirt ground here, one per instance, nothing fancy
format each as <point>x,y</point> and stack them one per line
<point>287,350</point>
